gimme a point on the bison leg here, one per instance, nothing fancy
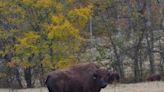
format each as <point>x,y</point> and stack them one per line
<point>53,88</point>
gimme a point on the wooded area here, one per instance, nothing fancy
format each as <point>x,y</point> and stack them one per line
<point>38,36</point>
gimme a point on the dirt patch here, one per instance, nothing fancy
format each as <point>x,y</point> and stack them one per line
<point>137,87</point>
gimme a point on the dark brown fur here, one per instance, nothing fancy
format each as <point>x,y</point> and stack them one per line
<point>80,78</point>
<point>113,77</point>
<point>154,77</point>
<point>87,77</point>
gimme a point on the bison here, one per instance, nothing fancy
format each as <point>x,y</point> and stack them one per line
<point>113,77</point>
<point>80,78</point>
<point>154,77</point>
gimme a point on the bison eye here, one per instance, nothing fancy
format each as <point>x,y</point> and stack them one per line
<point>95,76</point>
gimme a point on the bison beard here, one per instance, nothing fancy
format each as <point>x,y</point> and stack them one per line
<point>79,78</point>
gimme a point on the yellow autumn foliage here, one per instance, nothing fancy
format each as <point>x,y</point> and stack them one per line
<point>28,2</point>
<point>47,30</point>
<point>45,3</point>
<point>79,17</point>
<point>70,1</point>
<point>25,64</point>
<point>65,63</point>
<point>59,7</point>
<point>28,40</point>
<point>64,33</point>
<point>15,62</point>
<point>12,64</point>
<point>46,62</point>
<point>57,20</point>
<point>62,29</point>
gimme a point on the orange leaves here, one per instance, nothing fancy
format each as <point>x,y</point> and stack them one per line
<point>12,64</point>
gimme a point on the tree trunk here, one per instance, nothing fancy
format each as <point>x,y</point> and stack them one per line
<point>161,49</point>
<point>91,38</point>
<point>161,52</point>
<point>51,51</point>
<point>151,57</point>
<point>150,37</point>
<point>136,69</point>
<point>28,77</point>
<point>118,61</point>
<point>136,57</point>
<point>140,66</point>
<point>18,78</point>
<point>42,75</point>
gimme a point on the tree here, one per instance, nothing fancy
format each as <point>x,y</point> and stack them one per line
<point>33,37</point>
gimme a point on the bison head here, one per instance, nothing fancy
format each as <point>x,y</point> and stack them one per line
<point>101,77</point>
<point>154,77</point>
<point>113,77</point>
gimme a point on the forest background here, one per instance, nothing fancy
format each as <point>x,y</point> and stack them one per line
<point>38,36</point>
